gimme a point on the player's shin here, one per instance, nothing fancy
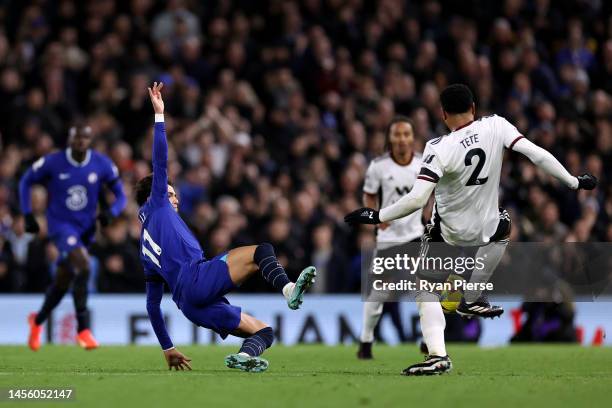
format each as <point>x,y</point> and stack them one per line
<point>80,294</point>
<point>490,255</point>
<point>371,315</point>
<point>55,292</point>
<point>257,343</point>
<point>53,296</point>
<point>271,270</point>
<point>433,323</point>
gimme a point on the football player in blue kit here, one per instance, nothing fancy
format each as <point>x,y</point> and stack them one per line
<point>171,254</point>
<point>74,179</point>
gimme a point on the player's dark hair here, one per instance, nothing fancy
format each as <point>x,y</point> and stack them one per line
<point>143,189</point>
<point>456,98</point>
<point>396,119</point>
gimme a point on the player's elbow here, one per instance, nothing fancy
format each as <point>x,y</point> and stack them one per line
<point>538,160</point>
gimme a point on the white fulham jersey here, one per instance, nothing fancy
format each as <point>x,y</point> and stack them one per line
<point>466,165</point>
<point>392,181</point>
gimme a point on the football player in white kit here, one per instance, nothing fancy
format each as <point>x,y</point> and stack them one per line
<point>388,178</point>
<point>464,168</point>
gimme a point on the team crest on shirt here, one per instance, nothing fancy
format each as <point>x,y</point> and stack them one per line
<point>92,178</point>
<point>77,198</point>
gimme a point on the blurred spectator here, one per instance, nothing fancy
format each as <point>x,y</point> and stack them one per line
<point>119,260</point>
<point>330,261</point>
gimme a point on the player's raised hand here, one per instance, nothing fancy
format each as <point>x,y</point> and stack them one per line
<point>156,98</point>
<point>363,216</point>
<point>176,359</point>
<point>587,182</point>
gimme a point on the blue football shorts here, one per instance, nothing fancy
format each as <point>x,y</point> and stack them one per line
<point>67,237</point>
<point>203,286</point>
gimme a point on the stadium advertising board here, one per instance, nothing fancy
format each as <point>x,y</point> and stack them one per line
<point>328,319</point>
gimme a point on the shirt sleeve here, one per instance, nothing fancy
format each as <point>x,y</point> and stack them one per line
<point>546,161</point>
<point>37,173</point>
<point>371,184</point>
<point>113,181</point>
<point>507,132</point>
<point>416,199</point>
<point>155,292</point>
<point>431,166</point>
<point>159,187</point>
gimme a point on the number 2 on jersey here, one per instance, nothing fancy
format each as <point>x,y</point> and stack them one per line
<point>474,180</point>
<point>156,248</point>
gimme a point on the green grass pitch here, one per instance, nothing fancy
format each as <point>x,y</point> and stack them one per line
<point>315,376</point>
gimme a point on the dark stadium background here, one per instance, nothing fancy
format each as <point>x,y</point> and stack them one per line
<point>274,109</point>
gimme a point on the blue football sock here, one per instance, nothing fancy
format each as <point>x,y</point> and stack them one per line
<point>270,268</point>
<point>258,343</point>
<point>79,295</point>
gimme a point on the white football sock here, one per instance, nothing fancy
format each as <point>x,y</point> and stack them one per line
<point>433,323</point>
<point>288,289</point>
<point>371,315</point>
<point>489,255</point>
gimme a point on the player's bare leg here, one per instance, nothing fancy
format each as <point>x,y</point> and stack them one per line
<point>79,259</point>
<point>54,294</point>
<point>258,337</point>
<point>241,264</point>
<point>245,261</point>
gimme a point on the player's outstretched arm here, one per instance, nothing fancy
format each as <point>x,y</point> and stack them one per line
<point>416,199</point>
<point>547,162</point>
<point>174,358</point>
<point>159,187</point>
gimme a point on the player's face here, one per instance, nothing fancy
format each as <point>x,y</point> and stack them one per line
<point>80,138</point>
<point>173,198</point>
<point>401,138</point>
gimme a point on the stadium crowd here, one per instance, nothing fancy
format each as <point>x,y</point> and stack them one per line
<point>274,109</point>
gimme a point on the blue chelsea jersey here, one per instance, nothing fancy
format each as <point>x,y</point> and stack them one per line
<point>166,243</point>
<point>73,188</point>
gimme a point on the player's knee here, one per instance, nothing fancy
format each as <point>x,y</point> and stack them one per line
<point>424,297</point>
<point>374,309</point>
<point>79,259</point>
<point>267,335</point>
<point>263,251</point>
<point>63,276</point>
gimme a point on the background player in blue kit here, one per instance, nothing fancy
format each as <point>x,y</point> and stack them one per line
<point>74,180</point>
<point>171,254</point>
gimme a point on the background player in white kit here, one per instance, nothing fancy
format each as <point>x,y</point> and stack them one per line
<point>388,178</point>
<point>464,168</point>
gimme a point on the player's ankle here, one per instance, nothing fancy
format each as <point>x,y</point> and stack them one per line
<point>288,289</point>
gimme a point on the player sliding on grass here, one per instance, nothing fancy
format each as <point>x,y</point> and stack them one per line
<point>171,254</point>
<point>464,168</point>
